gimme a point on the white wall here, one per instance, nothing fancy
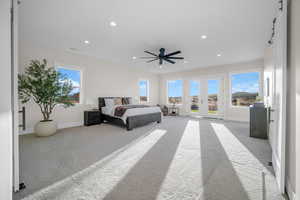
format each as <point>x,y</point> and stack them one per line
<point>100,79</point>
<point>230,113</point>
<point>5,103</point>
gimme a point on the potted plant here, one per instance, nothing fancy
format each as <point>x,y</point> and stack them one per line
<point>47,88</point>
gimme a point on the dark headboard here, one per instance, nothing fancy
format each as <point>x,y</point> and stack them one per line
<point>101,101</point>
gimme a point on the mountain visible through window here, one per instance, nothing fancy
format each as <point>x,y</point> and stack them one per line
<point>245,89</point>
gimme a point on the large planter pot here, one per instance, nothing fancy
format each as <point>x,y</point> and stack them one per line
<point>45,128</point>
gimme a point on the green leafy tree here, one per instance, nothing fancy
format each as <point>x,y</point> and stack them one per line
<point>45,86</point>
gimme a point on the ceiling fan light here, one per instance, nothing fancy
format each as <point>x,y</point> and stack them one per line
<point>113,24</point>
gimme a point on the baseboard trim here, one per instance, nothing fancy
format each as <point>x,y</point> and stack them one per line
<point>290,191</point>
<point>27,131</point>
<point>30,130</point>
<point>235,119</point>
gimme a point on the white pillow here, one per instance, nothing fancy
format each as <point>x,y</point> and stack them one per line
<point>109,102</point>
<point>109,106</point>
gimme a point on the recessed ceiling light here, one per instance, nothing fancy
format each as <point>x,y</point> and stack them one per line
<point>219,55</point>
<point>185,61</point>
<point>113,24</point>
<point>160,66</point>
<point>204,37</point>
<point>133,57</point>
<point>86,42</point>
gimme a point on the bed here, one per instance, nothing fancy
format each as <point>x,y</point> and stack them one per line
<point>127,114</point>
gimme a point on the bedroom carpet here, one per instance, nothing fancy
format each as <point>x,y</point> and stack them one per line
<point>182,158</point>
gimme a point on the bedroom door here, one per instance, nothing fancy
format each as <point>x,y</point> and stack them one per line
<point>278,104</point>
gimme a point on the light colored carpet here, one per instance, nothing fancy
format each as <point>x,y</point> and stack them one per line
<point>180,159</point>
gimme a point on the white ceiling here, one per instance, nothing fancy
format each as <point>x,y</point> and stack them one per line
<point>237,29</point>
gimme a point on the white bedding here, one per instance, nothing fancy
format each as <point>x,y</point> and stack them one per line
<point>110,109</point>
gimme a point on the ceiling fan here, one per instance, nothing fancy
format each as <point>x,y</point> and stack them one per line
<point>163,57</point>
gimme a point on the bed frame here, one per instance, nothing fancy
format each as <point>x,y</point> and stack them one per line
<point>132,121</point>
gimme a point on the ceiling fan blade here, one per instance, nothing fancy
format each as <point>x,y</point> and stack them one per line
<point>178,58</point>
<point>147,57</point>
<point>150,53</point>
<point>170,61</point>
<point>174,53</point>
<point>152,60</point>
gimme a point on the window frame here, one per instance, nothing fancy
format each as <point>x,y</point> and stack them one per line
<point>148,91</point>
<point>260,87</point>
<point>75,68</point>
<point>182,91</point>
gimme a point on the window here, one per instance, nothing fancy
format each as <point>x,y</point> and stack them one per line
<point>75,77</point>
<point>194,95</point>
<point>175,91</point>
<point>245,88</point>
<point>144,91</point>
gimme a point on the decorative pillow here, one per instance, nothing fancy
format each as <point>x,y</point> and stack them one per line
<point>125,100</point>
<point>118,101</point>
<point>109,102</point>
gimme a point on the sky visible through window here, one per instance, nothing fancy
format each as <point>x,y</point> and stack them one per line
<point>175,88</point>
<point>213,87</point>
<point>74,76</point>
<point>246,82</point>
<point>194,88</point>
<point>143,88</point>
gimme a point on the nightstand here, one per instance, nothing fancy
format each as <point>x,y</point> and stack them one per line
<point>92,117</point>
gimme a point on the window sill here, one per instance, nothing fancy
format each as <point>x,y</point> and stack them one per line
<point>75,105</point>
<point>176,105</point>
<point>239,107</point>
<point>144,102</point>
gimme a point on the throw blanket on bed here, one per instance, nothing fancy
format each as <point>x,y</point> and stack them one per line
<point>120,110</point>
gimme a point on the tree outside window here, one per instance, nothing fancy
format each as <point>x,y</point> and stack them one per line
<point>74,76</point>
